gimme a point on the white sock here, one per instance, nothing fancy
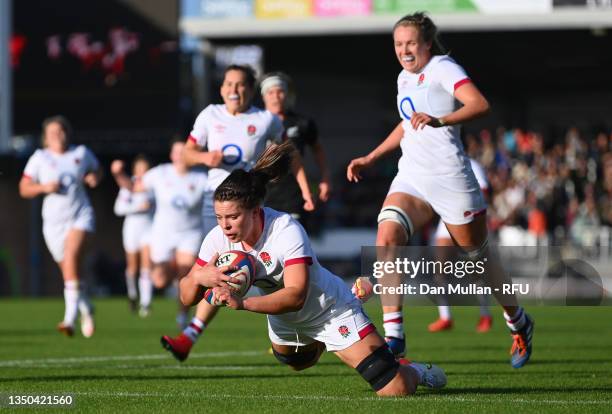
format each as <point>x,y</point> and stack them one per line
<point>444,312</point>
<point>517,321</point>
<point>145,286</point>
<point>194,329</point>
<point>85,306</point>
<point>393,324</point>
<point>130,283</point>
<point>71,301</point>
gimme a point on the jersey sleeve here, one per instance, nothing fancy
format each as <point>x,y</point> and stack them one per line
<point>90,162</point>
<point>123,203</point>
<point>199,132</point>
<point>32,168</point>
<point>295,245</point>
<point>450,75</point>
<point>213,243</point>
<point>150,177</point>
<point>276,130</point>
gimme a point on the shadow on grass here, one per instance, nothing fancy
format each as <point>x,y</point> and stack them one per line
<point>177,377</point>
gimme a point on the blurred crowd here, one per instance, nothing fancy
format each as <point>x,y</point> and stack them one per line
<point>543,190</point>
<point>555,191</point>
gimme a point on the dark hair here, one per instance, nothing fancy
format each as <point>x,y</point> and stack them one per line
<point>64,123</point>
<point>249,187</point>
<point>249,73</point>
<point>427,29</point>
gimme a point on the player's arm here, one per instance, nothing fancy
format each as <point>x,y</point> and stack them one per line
<point>297,167</point>
<point>321,160</point>
<point>390,144</point>
<point>93,178</point>
<point>28,188</point>
<point>475,105</point>
<point>291,298</point>
<point>193,155</point>
<point>201,276</point>
<point>121,178</point>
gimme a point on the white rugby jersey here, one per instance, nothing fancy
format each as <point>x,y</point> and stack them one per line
<point>241,138</point>
<point>178,198</point>
<point>431,151</point>
<point>69,168</point>
<point>481,175</point>
<point>129,204</point>
<point>283,243</point>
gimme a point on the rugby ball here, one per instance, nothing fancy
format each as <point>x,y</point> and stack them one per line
<point>245,271</point>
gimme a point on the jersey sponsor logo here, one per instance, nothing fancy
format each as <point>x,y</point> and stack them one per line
<point>232,154</point>
<point>179,203</point>
<point>251,130</point>
<point>219,128</point>
<point>344,331</point>
<point>65,180</point>
<point>265,258</point>
<point>421,79</point>
<point>406,106</point>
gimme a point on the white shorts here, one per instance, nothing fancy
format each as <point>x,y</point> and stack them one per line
<point>55,232</point>
<point>456,199</point>
<point>337,333</point>
<point>136,233</point>
<point>166,242</point>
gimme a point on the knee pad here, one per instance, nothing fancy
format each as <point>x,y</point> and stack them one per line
<point>379,368</point>
<point>296,359</point>
<point>396,214</point>
<point>477,253</point>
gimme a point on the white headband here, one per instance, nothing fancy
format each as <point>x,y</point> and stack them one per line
<point>271,82</point>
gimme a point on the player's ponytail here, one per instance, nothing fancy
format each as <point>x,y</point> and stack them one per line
<point>249,188</point>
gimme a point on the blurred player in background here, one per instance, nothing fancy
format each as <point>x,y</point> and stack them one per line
<point>234,134</point>
<point>176,232</point>
<point>279,98</point>
<point>444,239</point>
<point>434,173</point>
<point>60,172</point>
<point>308,308</point>
<point>137,206</point>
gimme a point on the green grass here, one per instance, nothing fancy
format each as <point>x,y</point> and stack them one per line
<point>123,368</point>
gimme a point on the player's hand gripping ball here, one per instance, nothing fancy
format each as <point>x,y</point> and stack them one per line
<point>245,265</point>
<point>363,289</point>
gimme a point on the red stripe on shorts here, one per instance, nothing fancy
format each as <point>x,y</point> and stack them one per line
<point>201,262</point>
<point>367,330</point>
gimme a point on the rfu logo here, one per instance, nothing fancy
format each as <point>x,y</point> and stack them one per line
<point>180,203</point>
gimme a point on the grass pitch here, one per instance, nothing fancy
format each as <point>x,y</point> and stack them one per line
<point>124,369</point>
